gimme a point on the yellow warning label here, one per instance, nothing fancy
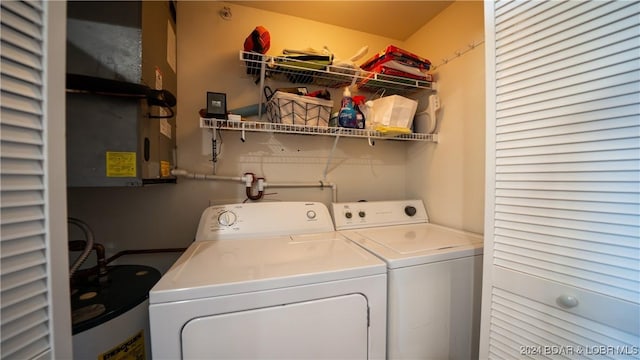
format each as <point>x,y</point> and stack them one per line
<point>165,168</point>
<point>121,164</point>
<point>130,349</point>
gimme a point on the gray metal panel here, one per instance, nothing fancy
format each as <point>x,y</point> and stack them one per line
<point>104,39</point>
<point>155,20</point>
<point>125,41</point>
<point>96,125</point>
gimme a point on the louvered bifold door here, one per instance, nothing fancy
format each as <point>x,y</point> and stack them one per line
<point>562,273</point>
<point>24,297</point>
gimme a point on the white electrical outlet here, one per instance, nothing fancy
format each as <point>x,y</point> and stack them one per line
<point>434,103</point>
<point>434,106</point>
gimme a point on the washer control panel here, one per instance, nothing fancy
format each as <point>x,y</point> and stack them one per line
<point>355,215</point>
<point>261,219</point>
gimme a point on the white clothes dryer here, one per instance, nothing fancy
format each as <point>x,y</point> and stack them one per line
<point>434,277</point>
<point>270,280</point>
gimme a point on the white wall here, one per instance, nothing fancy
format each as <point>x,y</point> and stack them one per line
<point>208,60</point>
<point>449,175</point>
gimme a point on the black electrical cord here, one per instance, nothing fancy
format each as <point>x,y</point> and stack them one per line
<point>168,108</point>
<point>107,87</point>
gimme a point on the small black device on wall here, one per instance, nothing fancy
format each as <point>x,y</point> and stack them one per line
<point>216,105</point>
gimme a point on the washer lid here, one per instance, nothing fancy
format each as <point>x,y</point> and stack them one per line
<point>407,245</point>
<point>224,267</point>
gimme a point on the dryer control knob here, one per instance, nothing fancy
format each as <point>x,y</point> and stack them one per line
<point>362,213</point>
<point>227,218</point>
<point>410,210</point>
<point>348,214</point>
<point>311,215</point>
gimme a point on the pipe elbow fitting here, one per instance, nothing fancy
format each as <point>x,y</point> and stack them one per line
<point>248,179</point>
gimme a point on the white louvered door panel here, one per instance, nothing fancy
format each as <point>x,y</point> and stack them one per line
<point>23,254</point>
<point>563,197</point>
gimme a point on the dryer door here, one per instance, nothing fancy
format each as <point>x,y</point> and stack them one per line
<point>328,328</point>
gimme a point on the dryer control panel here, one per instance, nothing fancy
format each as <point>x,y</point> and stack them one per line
<point>260,219</point>
<point>357,215</point>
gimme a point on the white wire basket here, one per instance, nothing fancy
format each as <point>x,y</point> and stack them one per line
<point>287,108</point>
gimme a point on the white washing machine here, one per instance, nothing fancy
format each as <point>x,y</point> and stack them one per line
<point>434,277</point>
<point>270,280</point>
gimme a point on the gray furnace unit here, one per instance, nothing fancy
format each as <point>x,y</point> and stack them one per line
<point>121,89</point>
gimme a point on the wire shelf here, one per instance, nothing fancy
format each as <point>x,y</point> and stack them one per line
<point>259,126</point>
<point>330,76</point>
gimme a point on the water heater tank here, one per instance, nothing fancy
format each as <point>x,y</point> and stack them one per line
<point>111,318</point>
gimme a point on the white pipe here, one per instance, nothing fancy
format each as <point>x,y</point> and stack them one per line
<point>248,180</point>
<point>190,175</point>
<point>319,184</point>
<point>88,235</point>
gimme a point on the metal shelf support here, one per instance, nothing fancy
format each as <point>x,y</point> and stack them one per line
<point>331,76</point>
<point>260,126</point>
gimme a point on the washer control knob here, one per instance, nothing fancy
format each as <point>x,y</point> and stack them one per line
<point>227,218</point>
<point>348,215</point>
<point>311,214</point>
<point>410,210</point>
<point>362,214</point>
